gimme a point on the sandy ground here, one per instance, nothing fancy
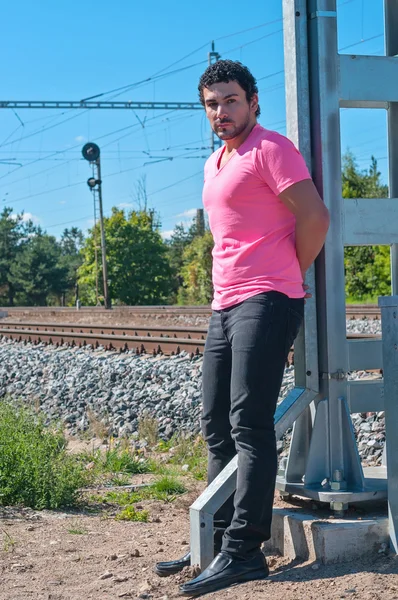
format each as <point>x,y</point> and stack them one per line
<point>75,556</point>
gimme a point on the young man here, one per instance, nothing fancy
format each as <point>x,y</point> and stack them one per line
<point>268,224</point>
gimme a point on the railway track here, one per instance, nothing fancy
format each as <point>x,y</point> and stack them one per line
<point>353,311</point>
<point>142,340</point>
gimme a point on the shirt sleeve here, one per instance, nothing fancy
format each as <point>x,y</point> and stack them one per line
<point>280,164</point>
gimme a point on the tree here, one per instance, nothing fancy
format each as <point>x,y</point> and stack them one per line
<point>197,285</point>
<point>180,239</point>
<point>70,260</point>
<point>138,269</point>
<point>367,268</point>
<point>35,273</point>
<point>14,234</point>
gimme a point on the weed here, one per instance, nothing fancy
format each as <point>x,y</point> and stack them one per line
<point>166,489</point>
<point>116,460</point>
<point>8,542</point>
<point>129,513</point>
<point>148,429</point>
<point>96,427</point>
<point>76,529</point>
<point>35,469</point>
<point>119,480</point>
<point>168,485</point>
<point>186,451</point>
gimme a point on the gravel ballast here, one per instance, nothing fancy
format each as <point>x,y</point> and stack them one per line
<point>72,384</point>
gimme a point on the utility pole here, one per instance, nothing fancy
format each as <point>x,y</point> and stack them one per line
<point>200,222</point>
<point>213,57</point>
<point>91,152</point>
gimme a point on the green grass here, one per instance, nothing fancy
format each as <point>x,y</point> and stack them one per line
<point>119,462</point>
<point>165,489</point>
<point>77,529</point>
<point>35,468</point>
<point>192,453</point>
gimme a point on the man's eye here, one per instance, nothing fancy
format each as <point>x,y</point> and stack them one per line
<point>231,100</point>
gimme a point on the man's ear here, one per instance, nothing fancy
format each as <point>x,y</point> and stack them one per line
<point>254,102</point>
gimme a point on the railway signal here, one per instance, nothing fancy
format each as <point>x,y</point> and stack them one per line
<point>91,153</point>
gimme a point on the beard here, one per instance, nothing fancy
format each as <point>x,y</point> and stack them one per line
<point>233,131</point>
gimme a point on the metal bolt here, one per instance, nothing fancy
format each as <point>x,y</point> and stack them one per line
<point>338,475</point>
<point>203,525</point>
<point>338,482</point>
<point>339,507</point>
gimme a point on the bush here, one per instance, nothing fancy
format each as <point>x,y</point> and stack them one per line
<point>35,469</point>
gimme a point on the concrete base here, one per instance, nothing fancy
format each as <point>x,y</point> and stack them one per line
<point>298,535</point>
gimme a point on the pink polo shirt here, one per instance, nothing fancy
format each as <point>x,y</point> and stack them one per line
<point>254,233</point>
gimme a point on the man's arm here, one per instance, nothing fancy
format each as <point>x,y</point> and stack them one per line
<point>312,220</point>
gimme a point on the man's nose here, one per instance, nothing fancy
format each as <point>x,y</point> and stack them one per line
<point>221,111</point>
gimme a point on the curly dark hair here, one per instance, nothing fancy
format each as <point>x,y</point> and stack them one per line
<point>225,71</point>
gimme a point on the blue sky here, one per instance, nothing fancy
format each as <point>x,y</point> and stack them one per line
<point>73,50</point>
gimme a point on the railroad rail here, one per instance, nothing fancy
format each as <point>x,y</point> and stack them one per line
<point>154,340</point>
<point>353,311</point>
<point>142,340</point>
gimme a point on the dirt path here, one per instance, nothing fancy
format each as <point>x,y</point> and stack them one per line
<point>63,556</point>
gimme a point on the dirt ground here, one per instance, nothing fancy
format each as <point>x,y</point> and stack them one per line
<point>75,556</point>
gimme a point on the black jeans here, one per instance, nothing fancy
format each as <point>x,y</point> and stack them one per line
<point>245,353</point>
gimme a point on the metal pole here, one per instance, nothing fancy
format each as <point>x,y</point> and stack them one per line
<point>389,325</point>
<point>103,243</point>
<point>391,28</point>
<point>213,57</point>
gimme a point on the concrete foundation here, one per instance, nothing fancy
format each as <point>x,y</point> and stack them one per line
<point>303,536</point>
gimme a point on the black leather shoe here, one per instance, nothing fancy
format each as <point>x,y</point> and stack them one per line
<point>224,571</point>
<point>164,569</point>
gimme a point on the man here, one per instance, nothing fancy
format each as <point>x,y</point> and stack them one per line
<point>268,224</point>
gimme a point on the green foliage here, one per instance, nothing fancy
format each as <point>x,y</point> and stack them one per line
<point>35,272</point>
<point>138,269</point>
<point>165,489</point>
<point>35,469</point>
<point>14,236</point>
<point>197,286</point>
<point>367,268</point>
<point>116,460</point>
<point>129,513</point>
<point>36,269</point>
<point>69,262</point>
<point>180,239</point>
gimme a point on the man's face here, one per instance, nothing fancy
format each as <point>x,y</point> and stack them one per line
<point>228,110</point>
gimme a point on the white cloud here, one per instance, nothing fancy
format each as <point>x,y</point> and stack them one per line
<point>80,138</point>
<point>62,201</point>
<point>166,235</point>
<point>188,213</point>
<point>27,217</point>
<point>125,205</point>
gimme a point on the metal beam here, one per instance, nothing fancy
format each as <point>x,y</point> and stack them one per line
<point>364,355</point>
<point>214,496</point>
<point>370,221</point>
<point>365,396</point>
<point>389,323</point>
<point>368,79</point>
<point>100,104</point>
